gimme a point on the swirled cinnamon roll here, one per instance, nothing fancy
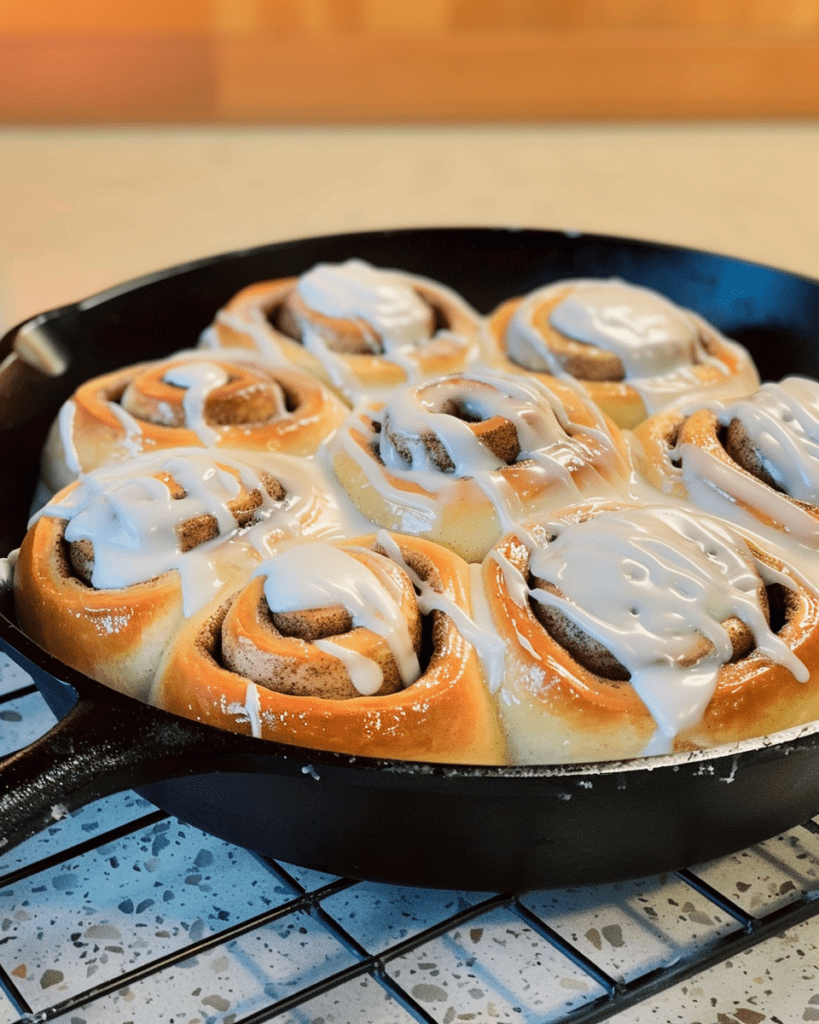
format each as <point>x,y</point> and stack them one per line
<point>113,564</point>
<point>353,647</point>
<point>459,459</point>
<point>359,328</point>
<point>630,348</point>
<point>753,459</point>
<point>644,629</point>
<point>191,398</point>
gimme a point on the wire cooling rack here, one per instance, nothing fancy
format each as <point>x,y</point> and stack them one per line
<point>122,914</point>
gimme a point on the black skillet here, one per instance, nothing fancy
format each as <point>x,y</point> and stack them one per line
<point>401,822</point>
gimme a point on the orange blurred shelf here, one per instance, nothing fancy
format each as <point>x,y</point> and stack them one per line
<point>423,61</point>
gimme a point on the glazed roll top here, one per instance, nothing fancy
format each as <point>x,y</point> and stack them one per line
<point>190,399</point>
<point>355,308</point>
<point>352,647</point>
<point>203,394</point>
<point>610,331</point>
<point>136,526</point>
<point>472,424</point>
<point>110,567</point>
<point>360,328</point>
<point>634,350</point>
<point>355,606</point>
<point>654,603</point>
<point>758,455</point>
<point>679,592</point>
<point>482,449</point>
<point>774,434</point>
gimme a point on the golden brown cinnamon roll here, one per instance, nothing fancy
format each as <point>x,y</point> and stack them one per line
<point>631,349</point>
<point>459,458</point>
<point>645,629</point>
<point>352,647</point>
<point>193,399</point>
<point>753,459</point>
<point>112,565</point>
<point>359,328</point>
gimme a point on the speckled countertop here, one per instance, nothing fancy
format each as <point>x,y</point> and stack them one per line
<point>121,914</point>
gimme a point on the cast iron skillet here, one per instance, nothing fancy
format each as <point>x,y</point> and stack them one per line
<point>407,823</point>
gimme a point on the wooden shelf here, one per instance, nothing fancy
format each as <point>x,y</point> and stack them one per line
<point>423,61</point>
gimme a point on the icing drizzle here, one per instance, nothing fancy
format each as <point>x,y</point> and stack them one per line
<point>671,579</point>
<point>552,445</point>
<point>321,575</point>
<point>199,379</point>
<point>781,421</point>
<point>658,343</point>
<point>133,522</point>
<point>355,290</point>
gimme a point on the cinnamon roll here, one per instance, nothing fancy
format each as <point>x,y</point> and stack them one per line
<point>636,630</point>
<point>756,459</point>
<point>353,647</point>
<point>359,328</point>
<point>459,459</point>
<point>630,348</point>
<point>193,399</point>
<point>112,565</point>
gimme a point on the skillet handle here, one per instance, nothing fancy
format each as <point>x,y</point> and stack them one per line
<point>100,748</point>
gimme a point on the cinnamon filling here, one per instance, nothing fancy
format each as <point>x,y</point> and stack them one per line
<point>242,398</point>
<point>497,433</point>
<point>671,440</point>
<point>739,447</point>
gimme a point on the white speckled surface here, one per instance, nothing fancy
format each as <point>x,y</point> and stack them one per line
<point>82,210</point>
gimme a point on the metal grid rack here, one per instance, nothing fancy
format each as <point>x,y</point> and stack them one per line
<point>122,914</point>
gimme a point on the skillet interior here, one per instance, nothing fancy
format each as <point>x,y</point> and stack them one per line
<point>394,821</point>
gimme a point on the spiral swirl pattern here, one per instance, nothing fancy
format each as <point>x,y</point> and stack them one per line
<point>693,617</point>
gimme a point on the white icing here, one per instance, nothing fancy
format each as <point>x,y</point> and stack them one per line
<point>198,379</point>
<point>132,520</point>
<point>717,487</point>
<point>477,630</point>
<point>133,441</point>
<point>659,343</point>
<point>551,443</point>
<point>543,427</point>
<point>366,674</point>
<point>671,579</point>
<point>782,421</point>
<point>382,299</point>
<point>253,708</point>
<point>319,576</point>
<point>336,366</point>
<point>65,424</point>
<point>386,303</point>
<point>649,334</point>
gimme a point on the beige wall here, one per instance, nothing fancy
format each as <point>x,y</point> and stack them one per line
<point>287,61</point>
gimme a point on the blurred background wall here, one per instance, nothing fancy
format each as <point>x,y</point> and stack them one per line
<point>410,61</point>
<point>135,134</point>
